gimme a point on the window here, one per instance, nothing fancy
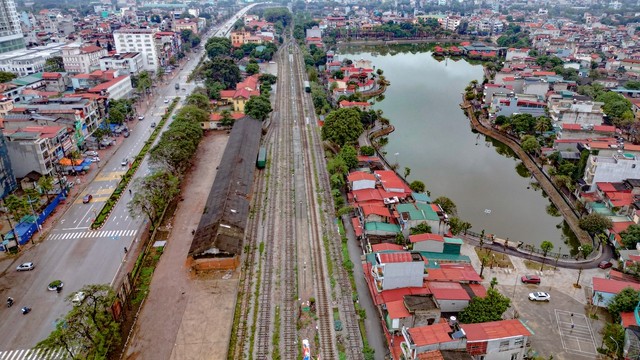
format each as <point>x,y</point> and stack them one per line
<point>504,345</point>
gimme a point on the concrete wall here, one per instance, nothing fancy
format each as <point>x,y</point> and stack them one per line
<point>429,245</point>
<point>405,274</point>
<point>452,305</point>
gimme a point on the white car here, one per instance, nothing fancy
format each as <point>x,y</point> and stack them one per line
<point>78,298</point>
<point>141,117</point>
<point>91,153</point>
<point>166,101</point>
<point>125,162</point>
<point>539,296</point>
<point>94,159</point>
<point>28,266</point>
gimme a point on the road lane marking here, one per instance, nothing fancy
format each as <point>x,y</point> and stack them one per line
<point>92,234</point>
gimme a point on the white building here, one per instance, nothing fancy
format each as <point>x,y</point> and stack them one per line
<point>130,63</point>
<point>10,31</point>
<point>614,168</point>
<point>79,58</point>
<point>138,40</point>
<point>29,61</point>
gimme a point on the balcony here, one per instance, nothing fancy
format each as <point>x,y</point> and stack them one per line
<point>377,272</point>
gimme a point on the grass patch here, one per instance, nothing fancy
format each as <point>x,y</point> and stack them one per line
<point>494,259</point>
<point>534,265</point>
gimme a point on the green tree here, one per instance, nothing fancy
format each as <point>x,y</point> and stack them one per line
<point>258,107</point>
<point>615,331</point>
<point>45,184</point>
<point>143,82</point>
<point>222,70</point>
<point>198,100</point>
<point>417,186</point>
<point>152,194</point>
<point>586,250</point>
<point>447,205</point>
<point>489,308</point>
<point>422,228</point>
<point>545,246</point>
<point>367,150</point>
<point>116,116</point>
<point>6,76</point>
<point>54,64</point>
<point>631,236</point>
<point>218,46</point>
<point>268,79</point>
<point>530,144</point>
<point>594,223</point>
<point>457,226</point>
<point>407,172</point>
<point>337,181</point>
<point>342,126</point>
<point>350,156</point>
<point>337,165</point>
<point>252,68</point>
<point>227,120</point>
<point>18,206</point>
<point>624,301</point>
<point>88,330</point>
<point>192,113</point>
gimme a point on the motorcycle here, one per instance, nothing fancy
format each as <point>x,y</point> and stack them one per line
<point>26,310</point>
<point>9,302</point>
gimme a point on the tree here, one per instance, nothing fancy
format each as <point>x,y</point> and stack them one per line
<point>595,223</point>
<point>6,76</point>
<point>227,120</point>
<point>367,150</point>
<point>268,79</point>
<point>143,82</point>
<point>586,250</point>
<point>350,156</point>
<point>407,172</point>
<point>160,73</point>
<point>218,46</point>
<point>54,64</point>
<point>198,100</point>
<point>337,165</point>
<point>222,70</point>
<point>193,114</point>
<point>631,236</point>
<point>489,308</point>
<point>417,186</point>
<point>45,184</point>
<point>545,246</point>
<point>456,225</point>
<point>624,301</point>
<point>447,205</point>
<point>88,330</point>
<point>18,206</point>
<point>252,68</point>
<point>152,194</point>
<point>422,228</point>
<point>155,18</point>
<point>337,181</point>
<point>530,144</point>
<point>258,107</point>
<point>613,338</point>
<point>342,126</point>
<point>116,116</point>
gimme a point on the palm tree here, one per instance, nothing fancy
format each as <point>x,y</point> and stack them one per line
<point>543,124</point>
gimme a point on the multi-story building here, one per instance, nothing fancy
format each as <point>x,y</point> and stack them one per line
<point>29,61</point>
<point>568,111</point>
<point>397,270</point>
<point>168,45</point>
<point>37,148</point>
<point>127,63</point>
<point>139,40</point>
<point>10,31</point>
<point>451,22</point>
<point>616,168</point>
<point>185,24</point>
<point>79,58</point>
<point>80,113</point>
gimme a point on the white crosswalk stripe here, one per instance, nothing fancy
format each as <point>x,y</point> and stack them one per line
<point>90,235</point>
<point>34,354</point>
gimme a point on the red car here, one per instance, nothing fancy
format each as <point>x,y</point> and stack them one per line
<point>605,264</point>
<point>530,279</point>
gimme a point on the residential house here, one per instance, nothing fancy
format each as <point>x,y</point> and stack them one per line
<point>450,296</point>
<point>168,45</point>
<point>243,92</point>
<point>397,270</point>
<point>55,82</point>
<point>374,213</point>
<point>215,119</point>
<point>411,311</point>
<point>37,148</point>
<point>362,105</point>
<point>185,24</point>
<point>604,290</point>
<point>569,111</point>
<point>507,105</point>
<point>141,41</point>
<point>79,58</point>
<point>6,104</point>
<point>358,180</point>
<point>414,214</point>
<point>427,242</point>
<point>127,63</point>
<point>614,168</point>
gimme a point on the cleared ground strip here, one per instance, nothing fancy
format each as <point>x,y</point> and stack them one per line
<point>576,333</point>
<point>92,234</point>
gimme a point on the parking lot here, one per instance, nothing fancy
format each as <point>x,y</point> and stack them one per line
<point>560,326</point>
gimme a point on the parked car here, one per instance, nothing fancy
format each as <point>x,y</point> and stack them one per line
<point>94,159</point>
<point>87,198</point>
<point>126,134</point>
<point>91,153</point>
<point>78,298</point>
<point>28,266</point>
<point>539,296</point>
<point>166,101</point>
<point>530,279</point>
<point>604,264</point>
<point>125,162</point>
<point>141,117</point>
<point>153,124</point>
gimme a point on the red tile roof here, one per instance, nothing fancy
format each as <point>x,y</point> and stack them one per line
<point>51,75</point>
<point>357,226</point>
<point>605,186</point>
<point>398,257</point>
<point>398,294</point>
<point>431,355</point>
<point>391,180</point>
<point>90,48</point>
<point>612,286</point>
<point>373,209</point>
<point>628,319</point>
<point>494,330</point>
<point>386,247</point>
<point>448,291</point>
<point>425,237</point>
<point>454,273</point>
<point>430,334</point>
<point>365,195</point>
<point>397,310</point>
<point>360,175</point>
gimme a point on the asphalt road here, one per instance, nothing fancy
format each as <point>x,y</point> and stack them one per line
<point>72,252</point>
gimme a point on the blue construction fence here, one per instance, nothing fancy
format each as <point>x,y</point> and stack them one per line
<point>27,227</point>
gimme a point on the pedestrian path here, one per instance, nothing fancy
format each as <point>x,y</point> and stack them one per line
<point>34,354</point>
<point>92,234</point>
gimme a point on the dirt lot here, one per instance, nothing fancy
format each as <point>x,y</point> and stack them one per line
<point>185,317</point>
